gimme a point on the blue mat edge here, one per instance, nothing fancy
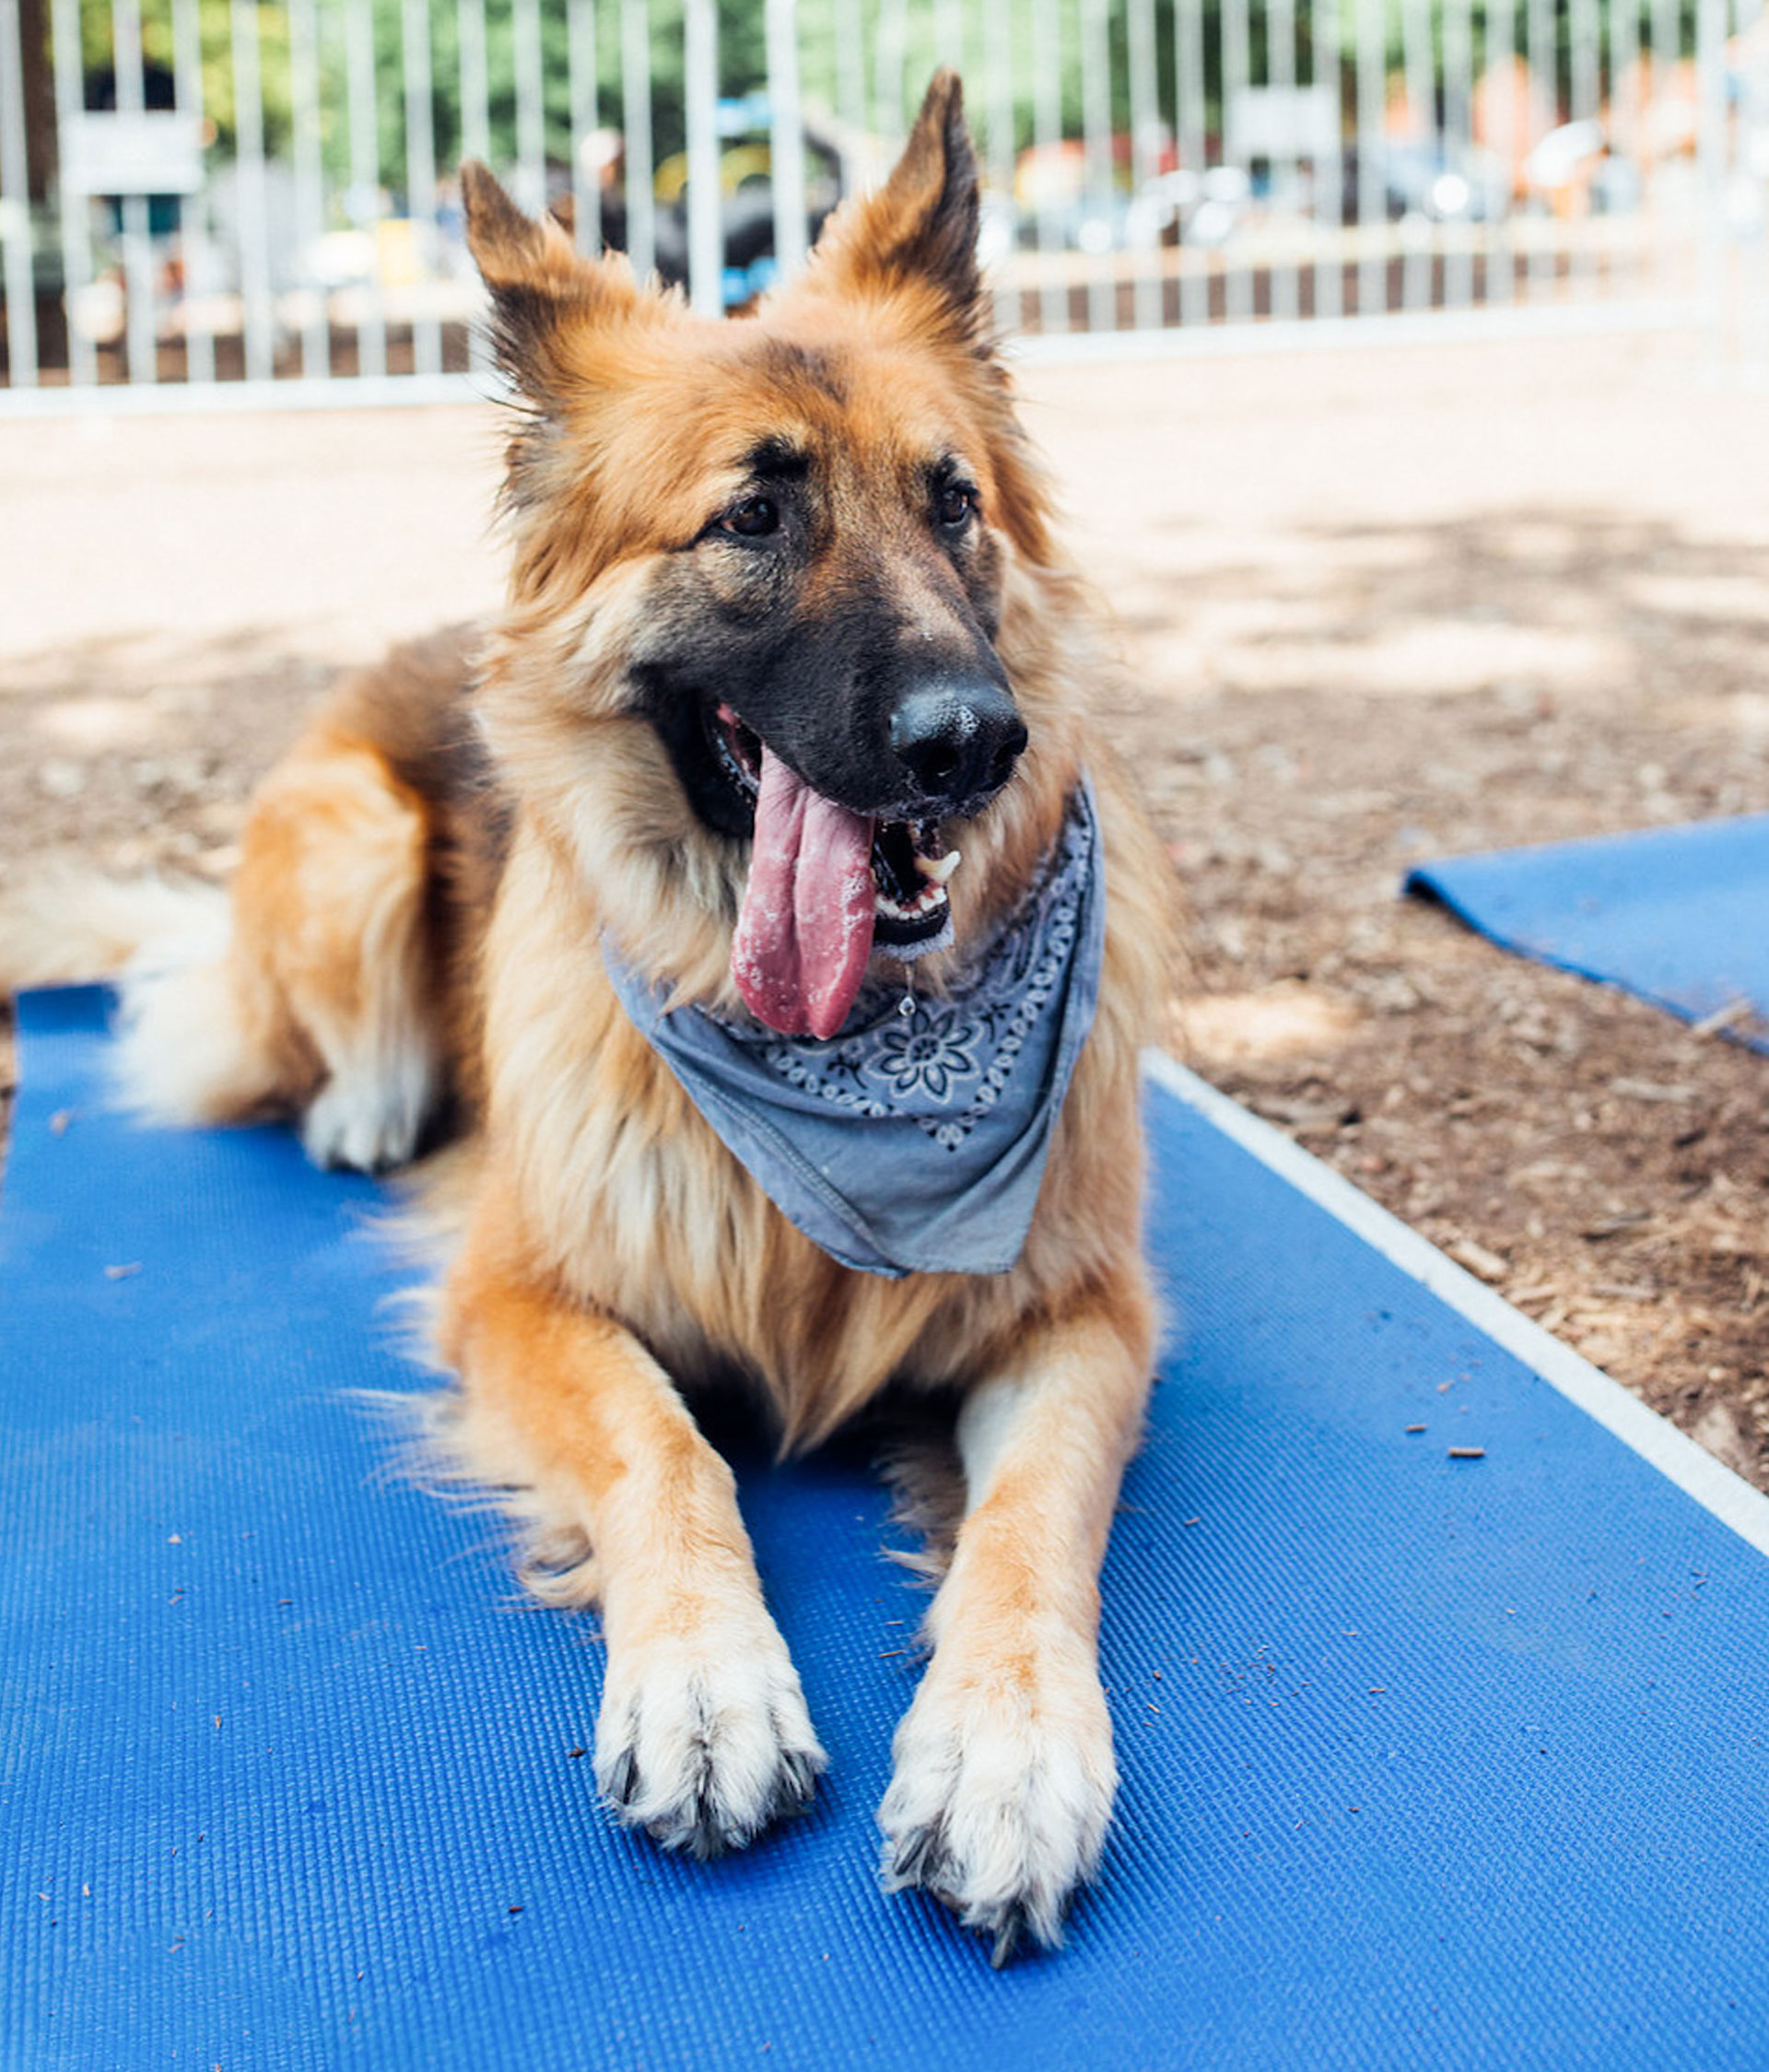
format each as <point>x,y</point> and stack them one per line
<point>1690,1468</point>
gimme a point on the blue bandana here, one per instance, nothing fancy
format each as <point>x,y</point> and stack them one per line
<point>915,1140</point>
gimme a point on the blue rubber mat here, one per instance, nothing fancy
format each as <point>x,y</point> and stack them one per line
<point>1677,915</point>
<point>1432,1762</point>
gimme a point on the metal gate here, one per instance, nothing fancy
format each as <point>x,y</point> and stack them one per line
<point>206,201</point>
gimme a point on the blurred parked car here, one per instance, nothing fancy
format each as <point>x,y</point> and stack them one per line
<point>1059,200</point>
<point>746,199</point>
<point>1416,177</point>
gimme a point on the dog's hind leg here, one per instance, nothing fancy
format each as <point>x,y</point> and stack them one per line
<point>332,936</point>
<point>703,1737</point>
<point>1002,1769</point>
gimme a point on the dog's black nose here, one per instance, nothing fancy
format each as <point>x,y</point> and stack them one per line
<point>957,737</point>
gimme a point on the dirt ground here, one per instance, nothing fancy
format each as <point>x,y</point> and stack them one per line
<point>1373,607</point>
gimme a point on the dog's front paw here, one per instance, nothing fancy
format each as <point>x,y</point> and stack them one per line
<point>704,1743</point>
<point>357,1124</point>
<point>999,1799</point>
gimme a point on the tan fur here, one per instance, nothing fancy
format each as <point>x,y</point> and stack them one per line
<point>393,926</point>
<point>69,925</point>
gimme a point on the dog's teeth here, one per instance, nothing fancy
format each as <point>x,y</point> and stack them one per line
<point>939,869</point>
<point>924,903</point>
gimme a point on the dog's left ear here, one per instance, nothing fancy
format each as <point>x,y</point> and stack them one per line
<point>538,281</point>
<point>918,233</point>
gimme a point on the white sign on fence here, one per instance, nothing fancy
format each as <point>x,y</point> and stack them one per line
<point>155,152</point>
<point>1283,123</point>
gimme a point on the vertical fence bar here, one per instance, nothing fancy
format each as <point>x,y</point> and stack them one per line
<point>1500,104</point>
<point>1330,169</point>
<point>192,209</point>
<point>1372,201</point>
<point>636,113</point>
<point>1624,121</point>
<point>850,72</point>
<point>1459,149</point>
<point>1281,75</point>
<point>1047,135</point>
<point>890,45</point>
<point>253,226</point>
<point>1753,314</point>
<point>581,62</point>
<point>310,196</point>
<point>1710,72</point>
<point>1236,76</point>
<point>1666,49</point>
<point>998,61</point>
<point>1145,147</point>
<point>1585,60</point>
<point>475,129</point>
<point>128,72</point>
<point>706,231</point>
<point>786,138</point>
<point>365,178</point>
<point>75,205</point>
<point>1417,273</point>
<point>949,34</point>
<point>1097,231</point>
<point>908,99</point>
<point>531,105</point>
<point>420,181</point>
<point>1194,142</point>
<point>475,80</point>
<point>1544,104</point>
<point>15,205</point>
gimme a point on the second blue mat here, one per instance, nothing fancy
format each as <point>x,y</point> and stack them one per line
<point>1679,916</point>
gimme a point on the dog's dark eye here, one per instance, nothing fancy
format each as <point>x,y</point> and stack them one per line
<point>954,505</point>
<point>752,518</point>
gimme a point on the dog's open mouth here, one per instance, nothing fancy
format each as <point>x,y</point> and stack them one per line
<point>826,886</point>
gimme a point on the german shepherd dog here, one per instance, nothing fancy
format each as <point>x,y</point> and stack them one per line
<point>787,714</point>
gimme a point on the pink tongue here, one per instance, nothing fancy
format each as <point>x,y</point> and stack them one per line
<point>805,933</point>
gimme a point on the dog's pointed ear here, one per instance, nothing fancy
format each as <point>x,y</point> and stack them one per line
<point>537,280</point>
<point>918,231</point>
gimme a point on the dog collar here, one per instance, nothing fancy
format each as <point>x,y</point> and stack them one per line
<point>915,1140</point>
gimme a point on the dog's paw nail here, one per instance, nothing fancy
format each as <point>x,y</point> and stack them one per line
<point>1007,1935</point>
<point>619,1784</point>
<point>799,1771</point>
<point>910,1859</point>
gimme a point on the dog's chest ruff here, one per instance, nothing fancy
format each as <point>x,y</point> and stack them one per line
<point>915,1140</point>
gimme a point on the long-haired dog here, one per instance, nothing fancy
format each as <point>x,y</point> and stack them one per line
<point>758,903</point>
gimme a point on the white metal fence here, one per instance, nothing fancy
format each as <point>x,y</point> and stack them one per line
<point>256,200</point>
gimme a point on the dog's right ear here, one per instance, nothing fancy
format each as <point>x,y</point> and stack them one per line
<point>547,296</point>
<point>915,239</point>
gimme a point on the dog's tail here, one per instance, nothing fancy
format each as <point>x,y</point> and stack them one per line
<point>187,1049</point>
<point>72,926</point>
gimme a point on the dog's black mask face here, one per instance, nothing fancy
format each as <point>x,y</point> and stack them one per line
<point>811,495</point>
<point>845,624</point>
